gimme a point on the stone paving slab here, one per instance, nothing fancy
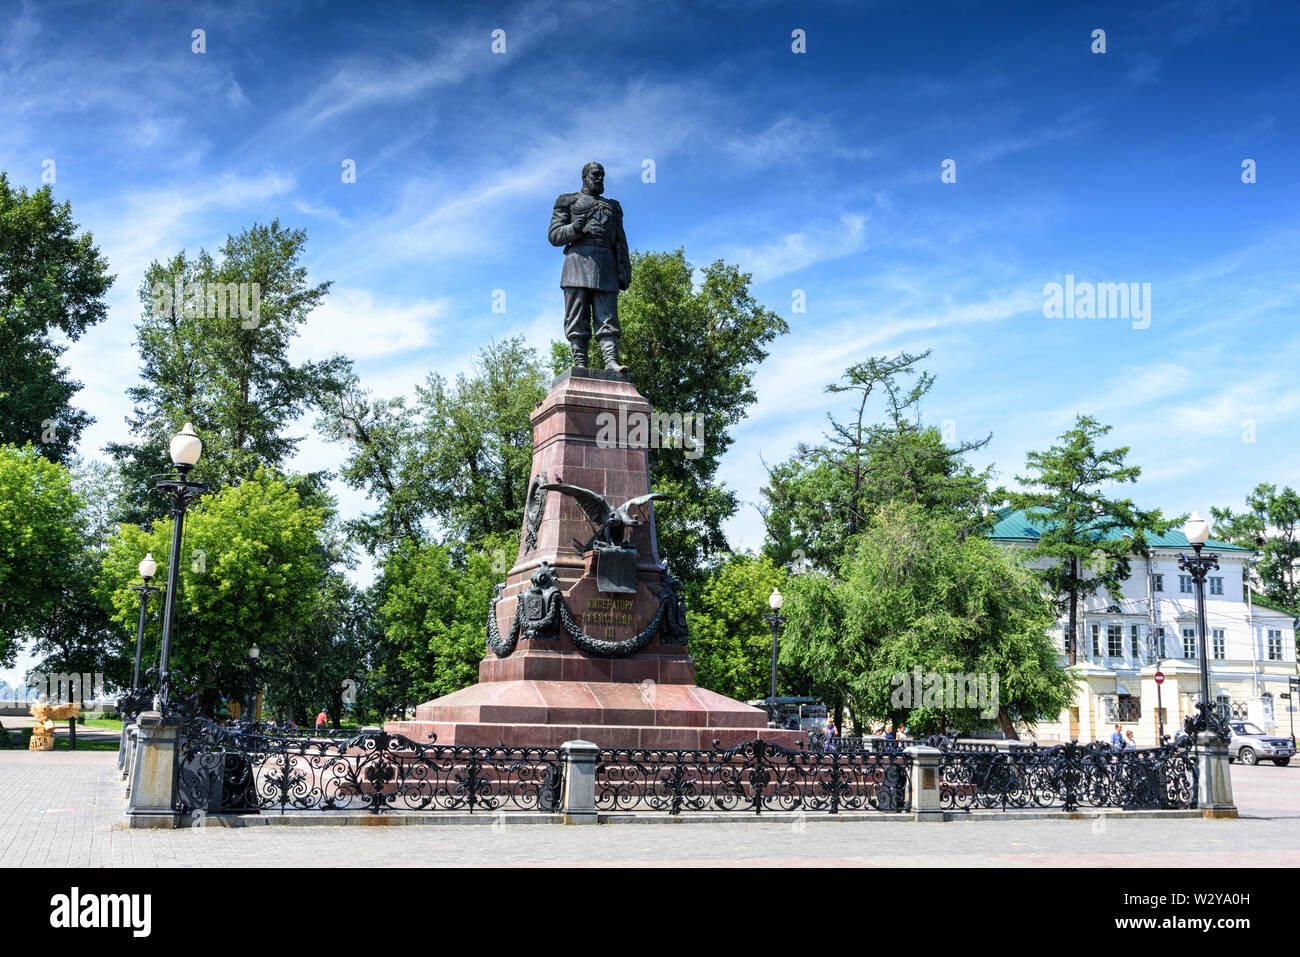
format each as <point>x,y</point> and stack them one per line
<point>64,809</point>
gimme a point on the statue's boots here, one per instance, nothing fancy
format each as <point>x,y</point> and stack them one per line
<point>579,347</point>
<point>609,352</point>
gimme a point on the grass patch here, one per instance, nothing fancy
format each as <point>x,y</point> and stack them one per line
<point>111,724</point>
<point>84,744</point>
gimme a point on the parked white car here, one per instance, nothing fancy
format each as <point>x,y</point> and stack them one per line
<point>1249,744</point>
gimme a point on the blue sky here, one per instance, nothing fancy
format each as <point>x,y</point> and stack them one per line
<point>817,171</point>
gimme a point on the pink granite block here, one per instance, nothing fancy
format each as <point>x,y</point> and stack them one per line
<point>675,738</point>
<point>610,736</point>
<point>542,667</point>
<point>578,668</point>
<point>622,704</point>
<point>674,697</point>
<point>676,672</point>
<point>635,669</point>
<point>567,694</point>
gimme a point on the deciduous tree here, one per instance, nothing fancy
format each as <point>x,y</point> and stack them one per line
<point>52,287</point>
<point>1087,539</point>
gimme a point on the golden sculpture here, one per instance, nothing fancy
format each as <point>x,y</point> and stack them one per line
<point>46,714</point>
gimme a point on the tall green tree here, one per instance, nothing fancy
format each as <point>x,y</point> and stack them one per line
<point>434,610</point>
<point>1088,539</point>
<point>821,498</point>
<point>1271,525</point>
<point>224,365</point>
<point>52,286</point>
<point>730,641</point>
<point>251,567</point>
<point>917,592</point>
<point>320,663</point>
<point>41,544</point>
<point>452,466</point>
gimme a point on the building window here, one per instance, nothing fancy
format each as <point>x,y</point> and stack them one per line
<point>1189,642</point>
<point>1216,638</point>
<point>1185,584</point>
<point>1216,586</point>
<point>1128,708</point>
<point>1157,582</point>
<point>1133,641</point>
<point>1274,644</point>
<point>1160,642</point>
<point>1115,641</point>
<point>1096,640</point>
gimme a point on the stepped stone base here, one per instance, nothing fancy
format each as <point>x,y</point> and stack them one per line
<point>612,714</point>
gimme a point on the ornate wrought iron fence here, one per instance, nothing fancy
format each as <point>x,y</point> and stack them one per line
<point>222,770</point>
<point>1069,776</point>
<point>280,731</point>
<point>933,741</point>
<point>755,776</point>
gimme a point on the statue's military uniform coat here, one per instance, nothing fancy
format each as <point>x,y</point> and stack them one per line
<point>597,263</point>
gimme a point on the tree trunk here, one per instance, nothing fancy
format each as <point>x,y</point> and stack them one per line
<point>1074,611</point>
<point>853,719</point>
<point>1007,726</point>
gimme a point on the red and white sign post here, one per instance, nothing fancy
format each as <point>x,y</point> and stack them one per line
<point>1160,711</point>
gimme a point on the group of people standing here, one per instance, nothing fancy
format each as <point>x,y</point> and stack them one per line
<point>1121,741</point>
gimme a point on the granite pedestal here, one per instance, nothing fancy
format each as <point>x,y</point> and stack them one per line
<point>547,690</point>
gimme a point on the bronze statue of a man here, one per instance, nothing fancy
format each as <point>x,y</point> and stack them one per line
<point>597,266</point>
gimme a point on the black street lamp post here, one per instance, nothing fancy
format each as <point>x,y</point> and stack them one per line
<point>1293,700</point>
<point>253,653</point>
<point>1207,718</point>
<point>776,620</point>
<point>185,450</point>
<point>148,568</point>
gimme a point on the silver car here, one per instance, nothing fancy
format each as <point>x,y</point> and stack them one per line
<point>1249,744</point>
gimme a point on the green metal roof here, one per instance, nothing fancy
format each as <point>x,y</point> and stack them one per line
<point>1013,525</point>
<point>1262,602</point>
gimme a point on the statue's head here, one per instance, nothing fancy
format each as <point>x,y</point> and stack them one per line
<point>593,179</point>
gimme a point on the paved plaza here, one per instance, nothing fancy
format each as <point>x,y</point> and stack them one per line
<point>65,809</point>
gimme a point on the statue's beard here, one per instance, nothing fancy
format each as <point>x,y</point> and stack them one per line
<point>591,189</point>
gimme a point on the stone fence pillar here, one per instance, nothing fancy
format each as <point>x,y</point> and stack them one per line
<point>579,804</point>
<point>1214,779</point>
<point>925,783</point>
<point>129,758</point>
<point>152,798</point>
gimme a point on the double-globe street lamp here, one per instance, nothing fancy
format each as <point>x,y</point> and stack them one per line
<point>776,620</point>
<point>1208,718</point>
<point>130,705</point>
<point>147,568</point>
<point>250,716</point>
<point>185,451</point>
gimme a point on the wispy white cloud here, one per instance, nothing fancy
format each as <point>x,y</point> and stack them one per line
<point>798,250</point>
<point>360,325</point>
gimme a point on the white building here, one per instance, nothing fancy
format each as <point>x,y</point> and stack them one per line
<point>1124,640</point>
